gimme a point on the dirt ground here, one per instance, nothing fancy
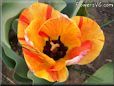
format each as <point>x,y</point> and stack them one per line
<point>101,15</point>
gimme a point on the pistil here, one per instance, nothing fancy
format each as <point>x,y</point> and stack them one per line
<point>55,49</point>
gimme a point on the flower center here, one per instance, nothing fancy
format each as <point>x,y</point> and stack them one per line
<point>55,49</point>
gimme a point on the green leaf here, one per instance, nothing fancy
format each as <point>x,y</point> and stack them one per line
<point>77,8</point>
<point>72,8</point>
<point>8,52</point>
<point>59,83</point>
<point>82,12</point>
<point>14,25</point>
<point>68,10</point>
<point>10,11</point>
<point>104,75</point>
<point>20,67</point>
<point>37,80</point>
<point>0,51</point>
<point>57,4</point>
<point>9,62</point>
<point>21,80</point>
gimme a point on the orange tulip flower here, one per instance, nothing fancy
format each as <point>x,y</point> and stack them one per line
<point>51,41</point>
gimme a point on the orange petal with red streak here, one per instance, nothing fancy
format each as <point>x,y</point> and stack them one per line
<point>64,28</point>
<point>90,30</point>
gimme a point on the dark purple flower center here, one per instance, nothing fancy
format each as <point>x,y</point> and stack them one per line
<point>55,49</point>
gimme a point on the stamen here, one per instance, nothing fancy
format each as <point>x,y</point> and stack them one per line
<point>54,46</point>
<point>55,49</point>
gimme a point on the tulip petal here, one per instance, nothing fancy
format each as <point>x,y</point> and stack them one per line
<point>63,75</point>
<point>44,11</point>
<point>37,64</point>
<point>44,74</point>
<point>91,31</point>
<point>34,63</point>
<point>42,69</point>
<point>37,57</point>
<point>53,76</point>
<point>32,34</point>
<point>24,20</point>
<point>64,28</point>
<point>35,11</point>
<point>60,64</point>
<point>71,35</point>
<point>76,51</point>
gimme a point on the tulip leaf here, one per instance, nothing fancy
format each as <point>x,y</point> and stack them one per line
<point>20,67</point>
<point>21,80</point>
<point>72,7</point>
<point>68,10</point>
<point>57,4</point>
<point>105,75</point>
<point>14,25</point>
<point>0,51</point>
<point>82,12</point>
<point>59,83</point>
<point>9,62</point>
<point>36,80</point>
<point>77,7</point>
<point>10,11</point>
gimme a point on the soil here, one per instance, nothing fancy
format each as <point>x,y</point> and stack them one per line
<point>78,74</point>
